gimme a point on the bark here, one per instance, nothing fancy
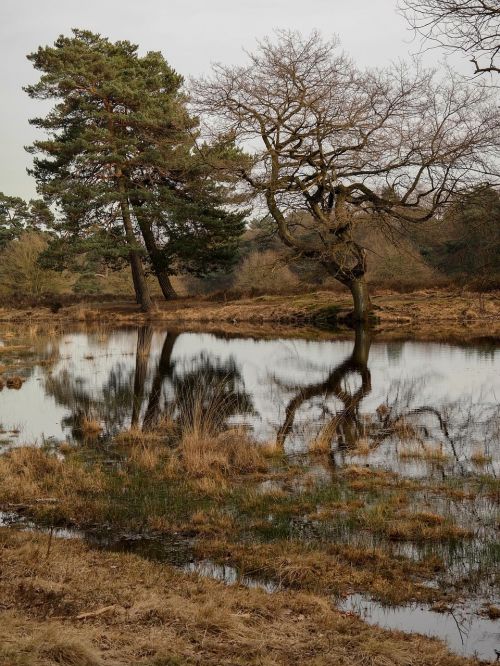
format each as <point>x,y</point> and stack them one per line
<point>361,299</point>
<point>157,261</point>
<point>143,296</point>
<point>136,283</point>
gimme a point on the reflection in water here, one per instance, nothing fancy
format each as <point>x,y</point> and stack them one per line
<point>164,370</point>
<point>409,406</point>
<point>422,410</point>
<point>345,423</point>
<point>465,632</point>
<point>144,338</point>
<point>139,398</point>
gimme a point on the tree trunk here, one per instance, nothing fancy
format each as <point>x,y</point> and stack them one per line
<point>157,260</point>
<point>361,299</point>
<point>166,286</point>
<point>136,283</point>
<point>140,285</point>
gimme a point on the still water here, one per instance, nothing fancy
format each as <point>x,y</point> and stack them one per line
<point>356,393</point>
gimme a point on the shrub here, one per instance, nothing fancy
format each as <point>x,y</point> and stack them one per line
<point>265,272</point>
<point>20,272</point>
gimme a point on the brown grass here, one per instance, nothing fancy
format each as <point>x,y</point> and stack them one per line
<point>160,617</point>
<point>493,612</point>
<point>479,457</point>
<point>90,427</point>
<point>207,471</point>
<point>420,451</point>
<point>14,382</point>
<point>321,444</point>
<point>31,476</point>
<point>335,569</point>
<point>426,314</point>
<point>227,453</point>
<point>403,525</point>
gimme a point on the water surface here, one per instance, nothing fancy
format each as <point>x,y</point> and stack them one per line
<point>291,389</point>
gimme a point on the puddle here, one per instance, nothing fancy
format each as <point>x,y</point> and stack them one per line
<point>425,411</point>
<point>229,575</point>
<point>161,548</point>
<point>462,630</point>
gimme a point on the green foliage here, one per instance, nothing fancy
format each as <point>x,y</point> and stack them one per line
<point>17,216</point>
<point>120,136</point>
<point>466,243</point>
<point>196,236</point>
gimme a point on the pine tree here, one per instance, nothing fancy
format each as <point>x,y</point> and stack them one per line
<point>18,216</point>
<point>119,153</point>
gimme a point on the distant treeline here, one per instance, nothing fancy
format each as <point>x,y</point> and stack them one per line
<point>461,249</point>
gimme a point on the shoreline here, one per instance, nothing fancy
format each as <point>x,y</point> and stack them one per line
<point>423,316</point>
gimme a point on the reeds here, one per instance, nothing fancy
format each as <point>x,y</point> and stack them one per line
<point>207,445</point>
<point>90,426</point>
<point>33,476</point>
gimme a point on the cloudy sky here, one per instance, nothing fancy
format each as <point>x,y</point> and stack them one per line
<point>190,33</point>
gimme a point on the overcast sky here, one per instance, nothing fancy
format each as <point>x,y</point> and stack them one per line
<point>190,33</point>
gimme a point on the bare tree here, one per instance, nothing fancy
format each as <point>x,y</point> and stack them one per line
<point>470,26</point>
<point>341,144</point>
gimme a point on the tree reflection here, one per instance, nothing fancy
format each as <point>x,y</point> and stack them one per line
<point>344,425</point>
<point>143,351</point>
<point>141,397</point>
<point>188,387</point>
<point>164,370</point>
<point>209,393</point>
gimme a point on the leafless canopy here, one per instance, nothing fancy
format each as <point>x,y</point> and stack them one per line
<point>338,143</point>
<point>471,26</point>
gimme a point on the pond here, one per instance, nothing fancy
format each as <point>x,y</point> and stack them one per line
<point>427,412</point>
<point>360,394</point>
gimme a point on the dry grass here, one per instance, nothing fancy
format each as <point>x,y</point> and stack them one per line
<point>31,476</point>
<point>90,427</point>
<point>227,453</point>
<point>493,612</point>
<point>205,476</point>
<point>159,617</point>
<point>430,314</point>
<point>403,525</point>
<point>13,349</point>
<point>29,644</point>
<point>321,444</point>
<point>479,457</point>
<point>336,569</point>
<point>363,447</point>
<point>138,437</point>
